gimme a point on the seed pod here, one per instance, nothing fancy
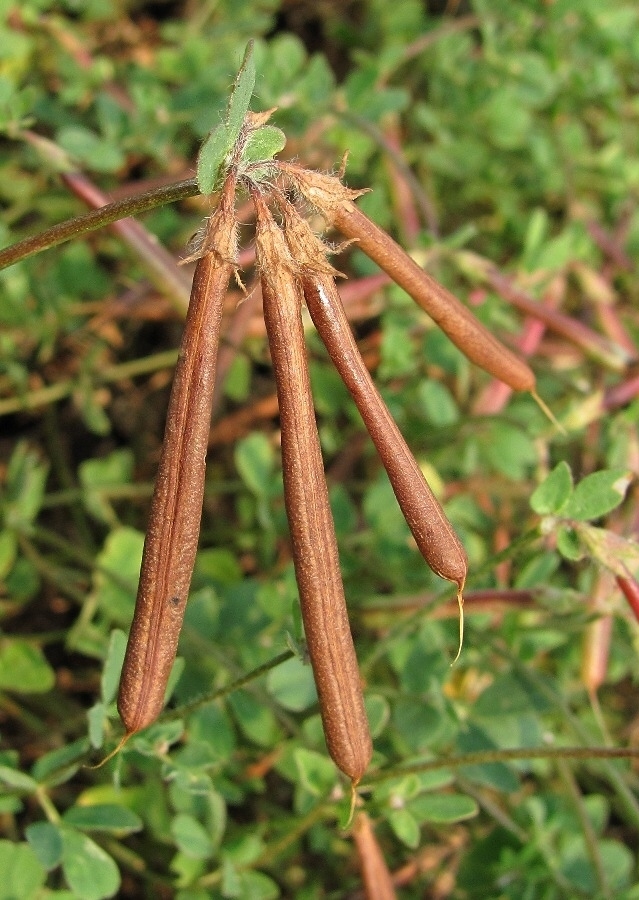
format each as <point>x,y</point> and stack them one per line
<point>315,553</point>
<point>433,533</point>
<point>335,202</point>
<point>174,521</point>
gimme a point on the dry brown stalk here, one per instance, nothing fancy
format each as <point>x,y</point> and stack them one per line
<point>378,883</point>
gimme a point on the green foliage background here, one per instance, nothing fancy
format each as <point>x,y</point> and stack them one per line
<point>519,122</point>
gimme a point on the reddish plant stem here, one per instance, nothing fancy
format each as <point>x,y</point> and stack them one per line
<point>596,346</point>
<point>630,589</point>
<point>378,883</point>
<point>315,551</point>
<point>164,270</point>
<point>495,395</point>
<point>174,521</point>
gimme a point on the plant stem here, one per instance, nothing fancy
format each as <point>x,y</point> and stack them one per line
<point>236,685</point>
<point>482,757</point>
<point>80,225</point>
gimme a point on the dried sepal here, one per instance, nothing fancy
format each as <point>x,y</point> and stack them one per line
<point>307,249</point>
<point>218,234</point>
<point>324,192</point>
<point>273,251</point>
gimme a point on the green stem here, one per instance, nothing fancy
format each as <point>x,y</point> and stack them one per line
<point>482,757</point>
<point>236,685</point>
<point>590,837</point>
<point>54,392</point>
<point>627,799</point>
<point>98,218</point>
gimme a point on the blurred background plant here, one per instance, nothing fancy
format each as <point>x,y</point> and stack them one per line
<point>500,140</point>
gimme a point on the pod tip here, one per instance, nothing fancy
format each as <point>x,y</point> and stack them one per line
<point>546,410</point>
<point>460,601</point>
<point>123,740</point>
<point>351,811</point>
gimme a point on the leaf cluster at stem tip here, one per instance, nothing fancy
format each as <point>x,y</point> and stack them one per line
<point>244,141</point>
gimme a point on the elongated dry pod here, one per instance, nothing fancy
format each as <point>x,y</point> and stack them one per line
<point>176,508</point>
<point>433,533</point>
<point>315,553</point>
<point>335,201</point>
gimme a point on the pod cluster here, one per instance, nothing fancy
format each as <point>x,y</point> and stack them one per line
<point>294,271</point>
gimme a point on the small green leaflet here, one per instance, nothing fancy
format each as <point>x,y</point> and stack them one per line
<point>241,95</point>
<point>553,493</point>
<point>222,139</point>
<point>264,144</point>
<point>212,155</point>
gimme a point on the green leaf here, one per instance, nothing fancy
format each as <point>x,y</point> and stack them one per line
<point>437,403</point>
<point>241,97</point>
<point>90,148</point>
<point>218,564</point>
<point>88,870</point>
<point>97,474</point>
<point>508,695</point>
<point>97,716</point>
<point>22,873</point>
<point>231,883</point>
<point>256,721</point>
<point>405,826</point>
<point>263,144</point>
<point>113,665</point>
<point>26,480</point>
<point>59,760</point>
<point>157,738</point>
<point>191,837</point>
<point>443,809</point>
<point>117,573</point>
<point>103,817</point>
<point>254,460</point>
<point>8,552</point>
<point>23,668</point>
<point>568,543</point>
<point>553,493</point>
<point>377,713</point>
<point>509,449</point>
<point>292,685</point>
<point>258,886</point>
<point>597,494</point>
<point>13,778</point>
<point>419,723</point>
<point>496,774</point>
<point>316,771</point>
<point>46,841</point>
<point>212,155</point>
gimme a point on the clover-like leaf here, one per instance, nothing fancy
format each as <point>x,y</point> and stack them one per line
<point>263,144</point>
<point>211,158</point>
<point>241,96</point>
<point>553,493</point>
<point>597,494</point>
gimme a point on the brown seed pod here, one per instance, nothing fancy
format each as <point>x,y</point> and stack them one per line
<point>335,202</point>
<point>433,533</point>
<point>315,553</point>
<point>174,521</point>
